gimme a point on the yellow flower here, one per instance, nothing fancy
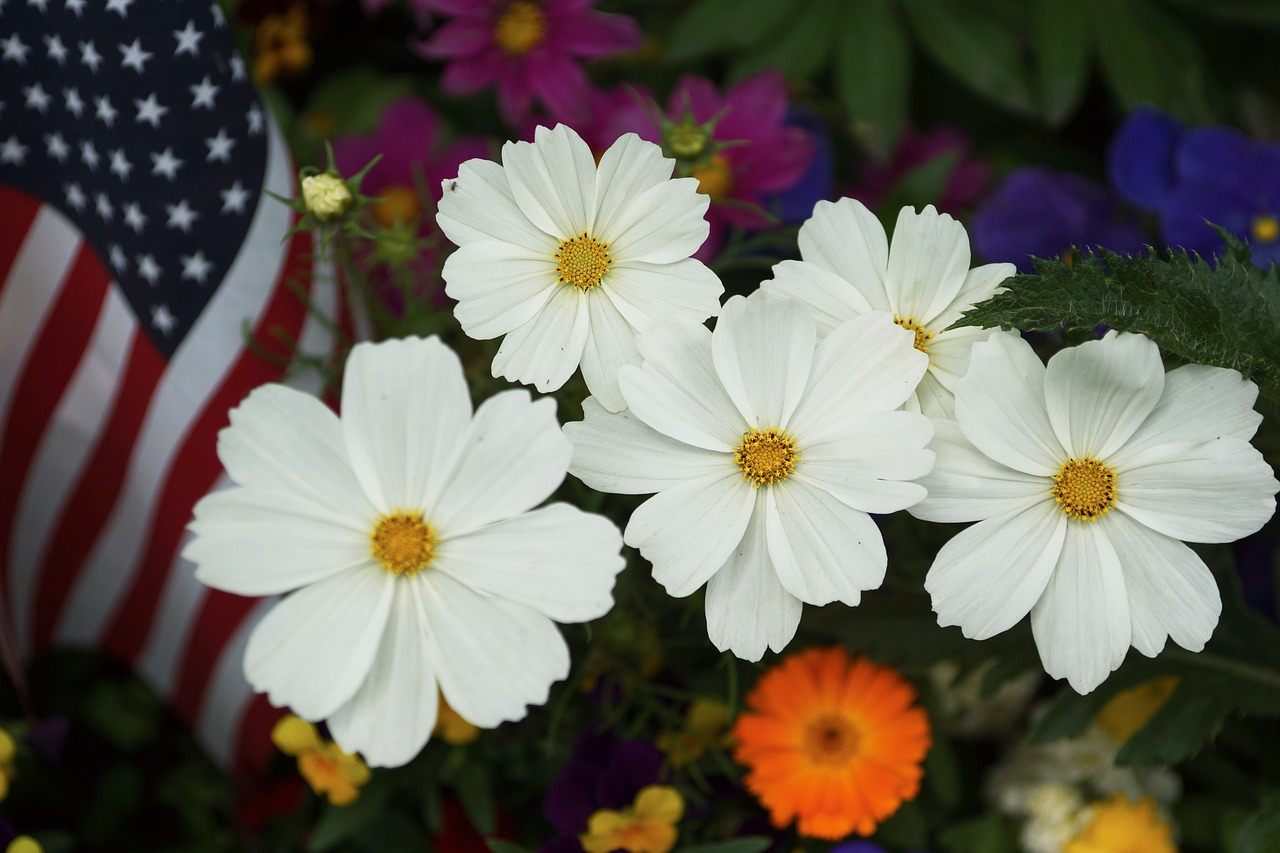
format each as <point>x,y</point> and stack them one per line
<point>452,728</point>
<point>1121,826</point>
<point>24,844</point>
<point>649,826</point>
<point>1130,710</point>
<point>327,769</point>
<point>8,749</point>
<point>326,196</point>
<point>280,46</point>
<point>706,722</point>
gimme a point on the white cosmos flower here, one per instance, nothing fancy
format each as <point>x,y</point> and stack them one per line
<point>1083,476</point>
<point>408,531</point>
<point>767,451</point>
<point>570,260</point>
<point>924,281</point>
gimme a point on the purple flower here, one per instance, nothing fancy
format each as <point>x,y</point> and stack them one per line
<point>1140,159</point>
<point>529,49</point>
<point>602,773</point>
<point>1042,213</point>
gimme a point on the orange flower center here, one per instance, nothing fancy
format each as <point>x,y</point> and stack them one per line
<point>831,740</point>
<point>715,178</point>
<point>403,543</point>
<point>398,206</point>
<point>1084,489</point>
<point>766,456</point>
<point>520,28</point>
<point>582,261</point>
<point>910,324</point>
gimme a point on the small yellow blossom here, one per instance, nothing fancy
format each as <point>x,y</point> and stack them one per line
<point>1119,825</point>
<point>1130,710</point>
<point>706,722</point>
<point>326,196</point>
<point>452,728</point>
<point>648,826</point>
<point>24,844</point>
<point>8,750</point>
<point>327,769</point>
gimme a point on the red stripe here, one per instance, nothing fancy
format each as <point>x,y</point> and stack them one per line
<point>94,497</point>
<point>19,212</point>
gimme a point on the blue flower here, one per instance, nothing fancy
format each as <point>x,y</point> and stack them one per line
<point>1140,160</point>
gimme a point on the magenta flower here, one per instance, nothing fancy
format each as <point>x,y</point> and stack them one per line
<point>529,49</point>
<point>968,181</point>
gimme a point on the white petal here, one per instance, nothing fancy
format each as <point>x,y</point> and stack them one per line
<point>558,560</point>
<point>258,542</point>
<point>553,180</point>
<point>644,291</point>
<point>846,239</point>
<point>405,409</point>
<point>1171,591</point>
<point>545,351</point>
<point>627,168</point>
<point>966,485</point>
<point>1218,491</point>
<point>498,287</point>
<point>611,343</point>
<point>990,575</point>
<point>314,649</point>
<point>932,399</point>
<point>950,352</point>
<point>870,468</point>
<point>1200,403</point>
<point>763,350</point>
<point>1099,392</point>
<point>617,453</point>
<point>677,391</point>
<point>1081,623</point>
<point>830,299</point>
<point>390,718</point>
<point>513,457</point>
<point>666,223</point>
<point>687,532</point>
<point>286,441</point>
<point>867,364</point>
<point>748,610</point>
<point>492,657</point>
<point>928,263</point>
<point>980,284</point>
<point>480,207</point>
<point>822,550</point>
<point>1001,409</point>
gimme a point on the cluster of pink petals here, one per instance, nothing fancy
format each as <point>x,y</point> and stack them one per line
<point>548,72</point>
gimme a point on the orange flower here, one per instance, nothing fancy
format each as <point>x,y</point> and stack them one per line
<point>835,742</point>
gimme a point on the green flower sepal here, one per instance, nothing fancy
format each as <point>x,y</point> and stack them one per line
<point>327,201</point>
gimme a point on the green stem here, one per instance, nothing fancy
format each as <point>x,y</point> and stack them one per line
<point>1251,672</point>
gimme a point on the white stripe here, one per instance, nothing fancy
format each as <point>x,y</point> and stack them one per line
<point>229,695</point>
<point>193,374</point>
<point>64,450</point>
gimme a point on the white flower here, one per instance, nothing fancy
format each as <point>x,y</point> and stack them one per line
<point>1083,477</point>
<point>767,452</point>
<point>408,531</point>
<point>924,281</point>
<point>570,261</point>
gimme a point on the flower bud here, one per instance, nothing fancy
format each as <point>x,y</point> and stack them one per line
<point>326,196</point>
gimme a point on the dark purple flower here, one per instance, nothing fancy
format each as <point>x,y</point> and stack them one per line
<point>796,203</point>
<point>1140,161</point>
<point>1042,213</point>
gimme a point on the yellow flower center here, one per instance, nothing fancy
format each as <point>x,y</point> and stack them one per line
<point>766,456</point>
<point>1084,489</point>
<point>1266,229</point>
<point>687,141</point>
<point>910,324</point>
<point>403,543</point>
<point>715,178</point>
<point>520,28</point>
<point>831,740</point>
<point>582,261</point>
<point>398,206</point>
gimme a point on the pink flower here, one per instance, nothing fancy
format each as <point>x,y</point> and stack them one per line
<point>529,49</point>
<point>967,182</point>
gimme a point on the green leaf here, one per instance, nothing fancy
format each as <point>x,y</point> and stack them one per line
<point>338,823</point>
<point>873,73</point>
<point>800,48</point>
<point>1260,832</point>
<point>715,26</point>
<point>975,47</point>
<point>475,793</point>
<point>1062,41</point>
<point>905,828</point>
<point>987,834</point>
<point>1263,12</point>
<point>350,101</point>
<point>497,845</point>
<point>922,185</point>
<point>943,774</point>
<point>746,844</point>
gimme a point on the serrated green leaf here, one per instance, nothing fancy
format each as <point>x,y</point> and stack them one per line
<point>713,26</point>
<point>976,47</point>
<point>1062,41</point>
<point>800,48</point>
<point>746,844</point>
<point>1260,832</point>
<point>873,73</point>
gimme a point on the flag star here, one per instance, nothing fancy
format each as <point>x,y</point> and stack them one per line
<point>150,110</point>
<point>233,199</point>
<point>57,146</point>
<point>219,147</point>
<point>204,92</point>
<point>219,20</point>
<point>56,49</point>
<point>105,111</point>
<point>14,49</point>
<point>134,56</point>
<point>12,151</point>
<point>37,98</point>
<point>188,39</point>
<point>237,68</point>
<point>134,217</point>
<point>42,5</point>
<point>166,164</point>
<point>196,267</point>
<point>181,216</point>
<point>89,56</point>
<point>76,6</point>
<point>162,319</point>
<point>103,205</point>
<point>89,155</point>
<point>118,260</point>
<point>148,269</point>
<point>121,6</point>
<point>254,117</point>
<point>75,106</point>
<point>75,196</point>
<point>120,164</point>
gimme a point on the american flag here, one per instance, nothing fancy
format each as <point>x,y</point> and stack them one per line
<point>136,244</point>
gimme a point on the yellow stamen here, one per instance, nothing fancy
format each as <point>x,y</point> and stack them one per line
<point>1266,229</point>
<point>582,261</point>
<point>922,337</point>
<point>766,456</point>
<point>715,177</point>
<point>403,543</point>
<point>398,206</point>
<point>1084,489</point>
<point>520,28</point>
